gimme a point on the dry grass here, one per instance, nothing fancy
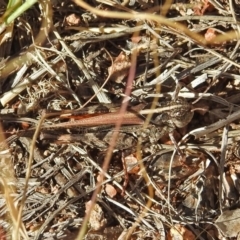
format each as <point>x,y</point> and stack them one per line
<point>61,57</point>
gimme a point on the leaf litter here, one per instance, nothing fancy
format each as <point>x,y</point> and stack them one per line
<point>63,57</point>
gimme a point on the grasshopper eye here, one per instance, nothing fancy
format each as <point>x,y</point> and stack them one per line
<point>181,119</point>
<point>161,119</point>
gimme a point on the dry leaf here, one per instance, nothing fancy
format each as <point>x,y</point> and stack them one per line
<point>130,162</point>
<point>203,7</point>
<point>3,234</point>
<point>96,220</point>
<point>210,35</point>
<point>179,232</point>
<point>229,222</point>
<point>110,190</point>
<point>73,19</point>
<point>100,177</point>
<point>120,68</point>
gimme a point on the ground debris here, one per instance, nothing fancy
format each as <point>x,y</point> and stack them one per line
<point>126,112</point>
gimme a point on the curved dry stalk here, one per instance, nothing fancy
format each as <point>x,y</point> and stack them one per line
<point>16,63</point>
